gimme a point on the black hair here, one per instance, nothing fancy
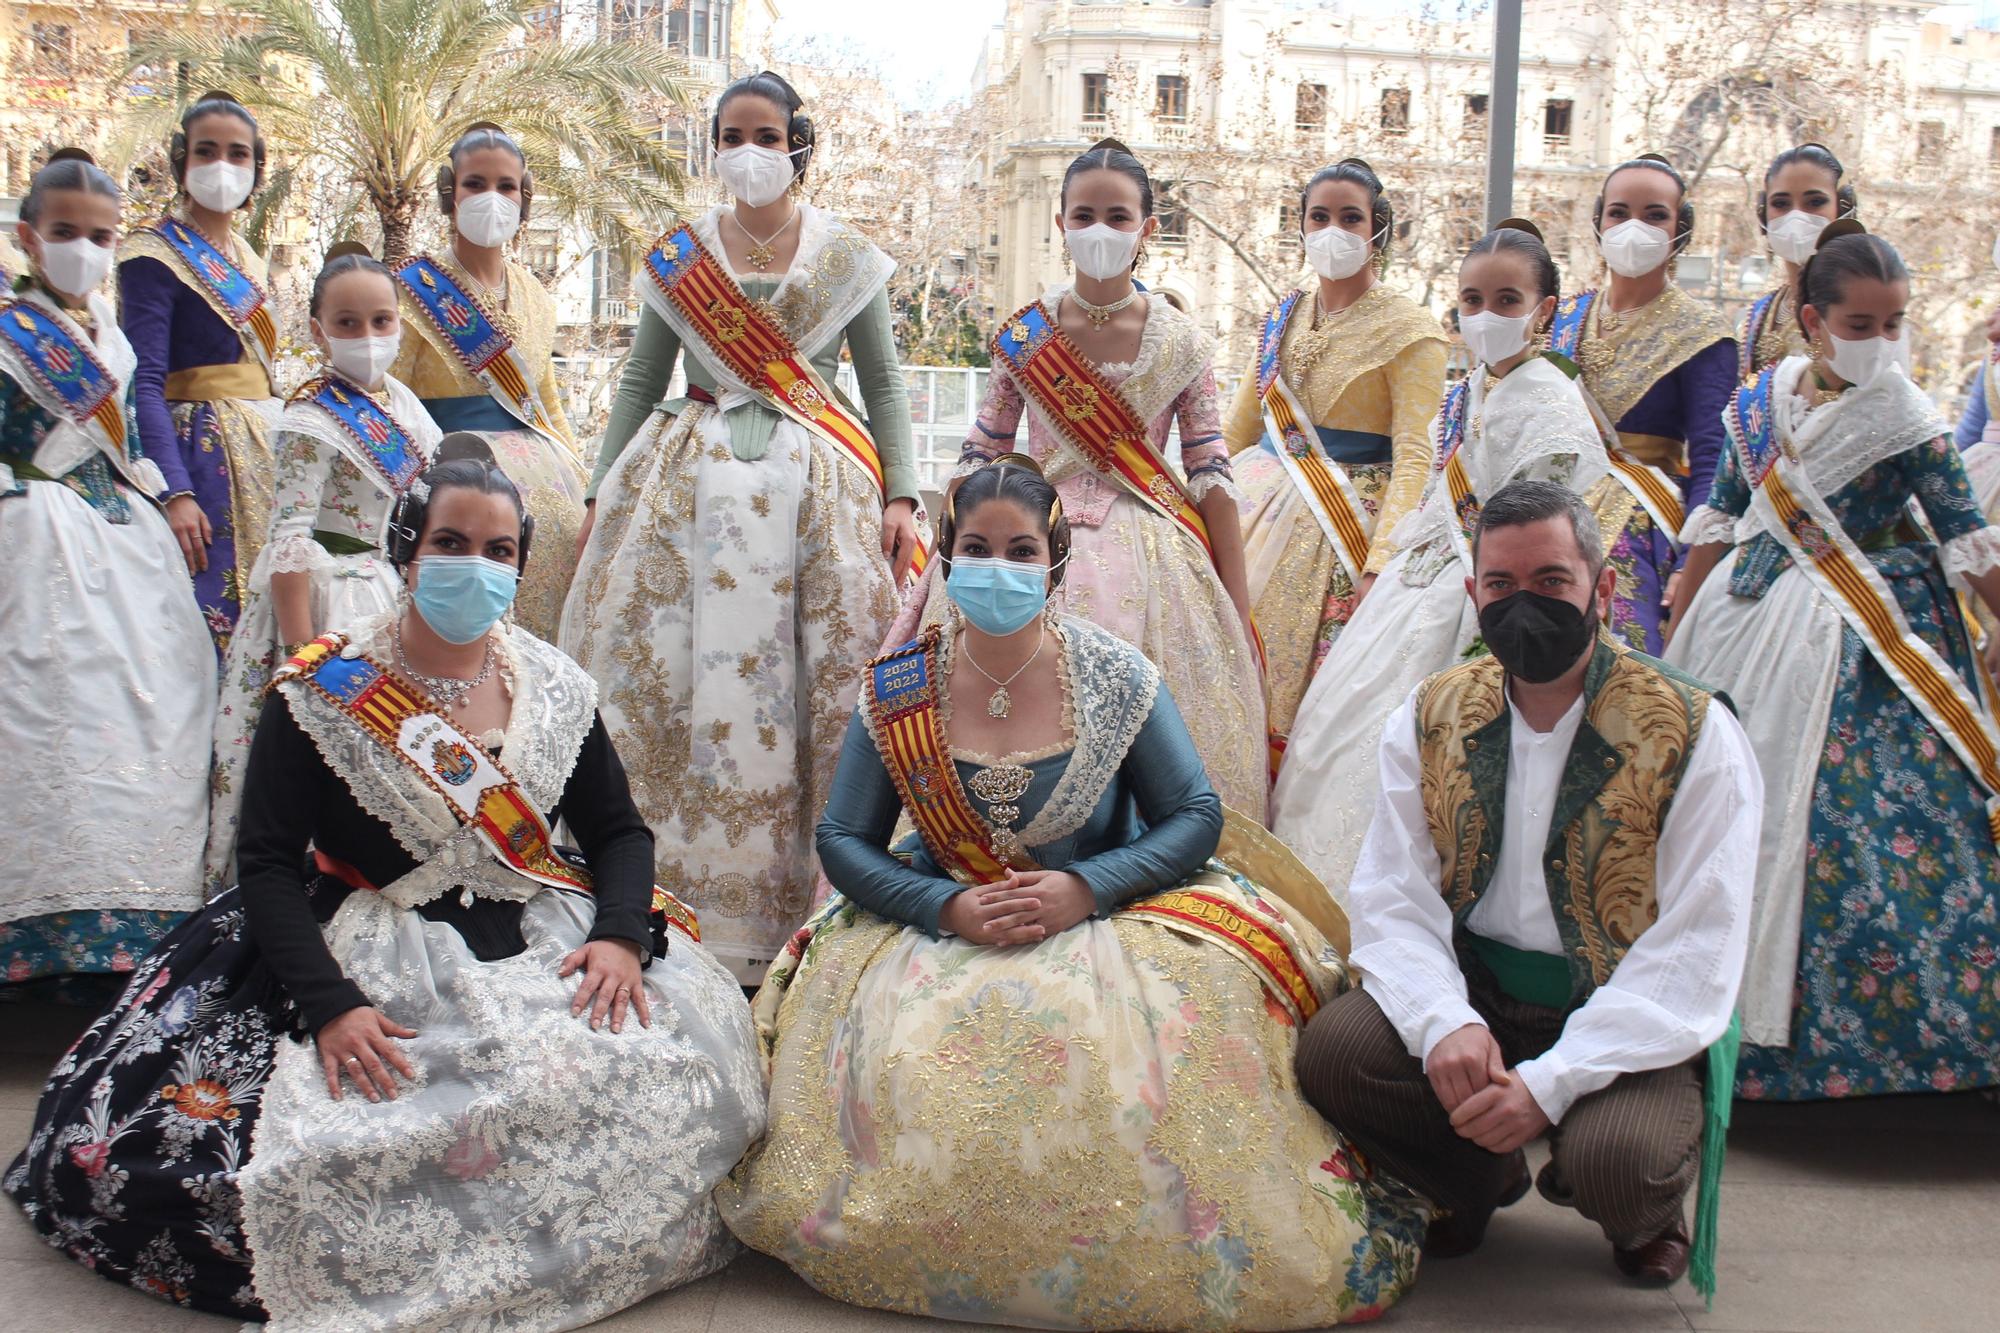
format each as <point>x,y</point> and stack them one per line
<point>1523,237</point>
<point>214,103</point>
<point>1846,250</point>
<point>67,169</point>
<point>346,257</point>
<point>481,135</point>
<point>1520,503</point>
<point>800,137</point>
<point>463,461</point>
<point>1110,155</point>
<point>1018,478</point>
<point>1846,203</point>
<point>1683,218</point>
<point>1381,213</point>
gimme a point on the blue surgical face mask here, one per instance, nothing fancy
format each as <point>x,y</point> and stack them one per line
<point>998,596</point>
<point>460,596</point>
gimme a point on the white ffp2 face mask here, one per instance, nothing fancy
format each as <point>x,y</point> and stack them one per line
<point>488,218</point>
<point>755,174</point>
<point>75,267</point>
<point>1100,250</point>
<point>1862,361</point>
<point>1493,338</point>
<point>364,360</point>
<point>1335,253</point>
<point>1796,235</point>
<point>1632,249</point>
<point>220,186</point>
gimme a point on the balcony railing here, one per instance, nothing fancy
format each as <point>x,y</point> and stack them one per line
<point>1189,20</point>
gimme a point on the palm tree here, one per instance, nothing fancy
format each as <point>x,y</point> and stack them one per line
<point>378,90</point>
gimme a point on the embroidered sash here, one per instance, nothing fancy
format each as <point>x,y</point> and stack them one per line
<point>900,699</point>
<point>475,787</point>
<point>231,293</point>
<point>487,354</point>
<point>382,445</point>
<point>1321,482</point>
<point>1754,321</point>
<point>746,345</point>
<point>1659,497</point>
<point>64,375</point>
<point>1192,909</point>
<point>1798,516</point>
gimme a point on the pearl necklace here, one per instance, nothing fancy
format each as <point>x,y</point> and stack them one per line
<point>447,690</point>
<point>1100,315</point>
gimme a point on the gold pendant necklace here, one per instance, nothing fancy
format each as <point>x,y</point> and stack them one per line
<point>1100,315</point>
<point>760,254</point>
<point>1000,702</point>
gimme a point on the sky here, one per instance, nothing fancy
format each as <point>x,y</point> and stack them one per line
<point>924,49</point>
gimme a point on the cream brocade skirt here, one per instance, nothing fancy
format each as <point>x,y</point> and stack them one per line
<point>1299,589</point>
<point>1099,1131</point>
<point>726,609</point>
<point>551,482</point>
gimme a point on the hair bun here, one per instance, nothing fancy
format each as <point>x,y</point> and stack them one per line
<point>1660,158</point>
<point>1833,231</point>
<point>342,249</point>
<point>1520,224</point>
<point>1111,146</point>
<point>479,125</point>
<point>216,95</point>
<point>1361,162</point>
<point>462,444</point>
<point>1024,461</point>
<point>782,82</point>
<point>70,155</point>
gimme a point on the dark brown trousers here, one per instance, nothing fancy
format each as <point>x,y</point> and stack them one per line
<point>1624,1156</point>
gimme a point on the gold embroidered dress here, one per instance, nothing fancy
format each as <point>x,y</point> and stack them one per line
<point>733,586</point>
<point>1371,377</point>
<point>1101,1130</point>
<point>546,468</point>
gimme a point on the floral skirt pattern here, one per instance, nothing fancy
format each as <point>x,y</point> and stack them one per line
<point>1898,984</point>
<point>68,943</point>
<point>1644,559</point>
<point>1299,589</point>
<point>1102,1130</point>
<point>228,448</point>
<point>144,1124</point>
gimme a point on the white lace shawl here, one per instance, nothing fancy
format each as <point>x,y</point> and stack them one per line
<point>1112,687</point>
<point>554,703</point>
<point>1535,412</point>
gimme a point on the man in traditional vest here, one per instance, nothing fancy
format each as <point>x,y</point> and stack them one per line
<point>1550,916</point>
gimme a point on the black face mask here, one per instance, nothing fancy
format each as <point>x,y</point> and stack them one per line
<point>1537,638</point>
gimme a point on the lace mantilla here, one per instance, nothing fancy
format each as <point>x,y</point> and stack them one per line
<point>554,703</point>
<point>1112,686</point>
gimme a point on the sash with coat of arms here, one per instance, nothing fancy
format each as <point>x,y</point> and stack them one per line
<point>380,444</point>
<point>233,294</point>
<point>55,365</point>
<point>486,352</point>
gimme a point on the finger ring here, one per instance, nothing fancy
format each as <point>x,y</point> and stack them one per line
<point>352,1060</point>
<point>624,990</point>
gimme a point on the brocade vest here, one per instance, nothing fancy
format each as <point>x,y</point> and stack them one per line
<point>1640,723</point>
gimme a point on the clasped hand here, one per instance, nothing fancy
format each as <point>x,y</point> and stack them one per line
<point>1025,907</point>
<point>1488,1104</point>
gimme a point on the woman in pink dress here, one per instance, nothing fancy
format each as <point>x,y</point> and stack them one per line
<point>1102,373</point>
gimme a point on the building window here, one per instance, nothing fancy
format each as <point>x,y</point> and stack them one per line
<point>1993,148</point>
<point>1310,107</point>
<point>1172,215</point>
<point>54,50</point>
<point>697,27</point>
<point>1097,97</point>
<point>1476,107</point>
<point>1288,228</point>
<point>1556,117</point>
<point>1396,110</point>
<point>1170,98</point>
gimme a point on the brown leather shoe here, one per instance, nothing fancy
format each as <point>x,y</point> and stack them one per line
<point>1660,1262</point>
<point>1454,1234</point>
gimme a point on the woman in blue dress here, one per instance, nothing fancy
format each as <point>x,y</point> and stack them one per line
<point>1827,613</point>
<point>1041,1073</point>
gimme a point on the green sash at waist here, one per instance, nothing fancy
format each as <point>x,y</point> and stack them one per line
<point>340,543</point>
<point>1531,978</point>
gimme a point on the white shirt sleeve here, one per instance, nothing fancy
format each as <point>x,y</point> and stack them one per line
<point>1671,995</point>
<point>1401,923</point>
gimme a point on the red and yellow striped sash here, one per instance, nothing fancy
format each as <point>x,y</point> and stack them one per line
<point>1211,915</point>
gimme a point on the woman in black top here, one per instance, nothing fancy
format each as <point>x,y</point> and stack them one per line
<point>465,1056</point>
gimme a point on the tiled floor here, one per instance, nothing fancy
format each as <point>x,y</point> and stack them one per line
<point>1875,1215</point>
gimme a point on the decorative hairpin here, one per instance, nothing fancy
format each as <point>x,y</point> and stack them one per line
<point>420,491</point>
